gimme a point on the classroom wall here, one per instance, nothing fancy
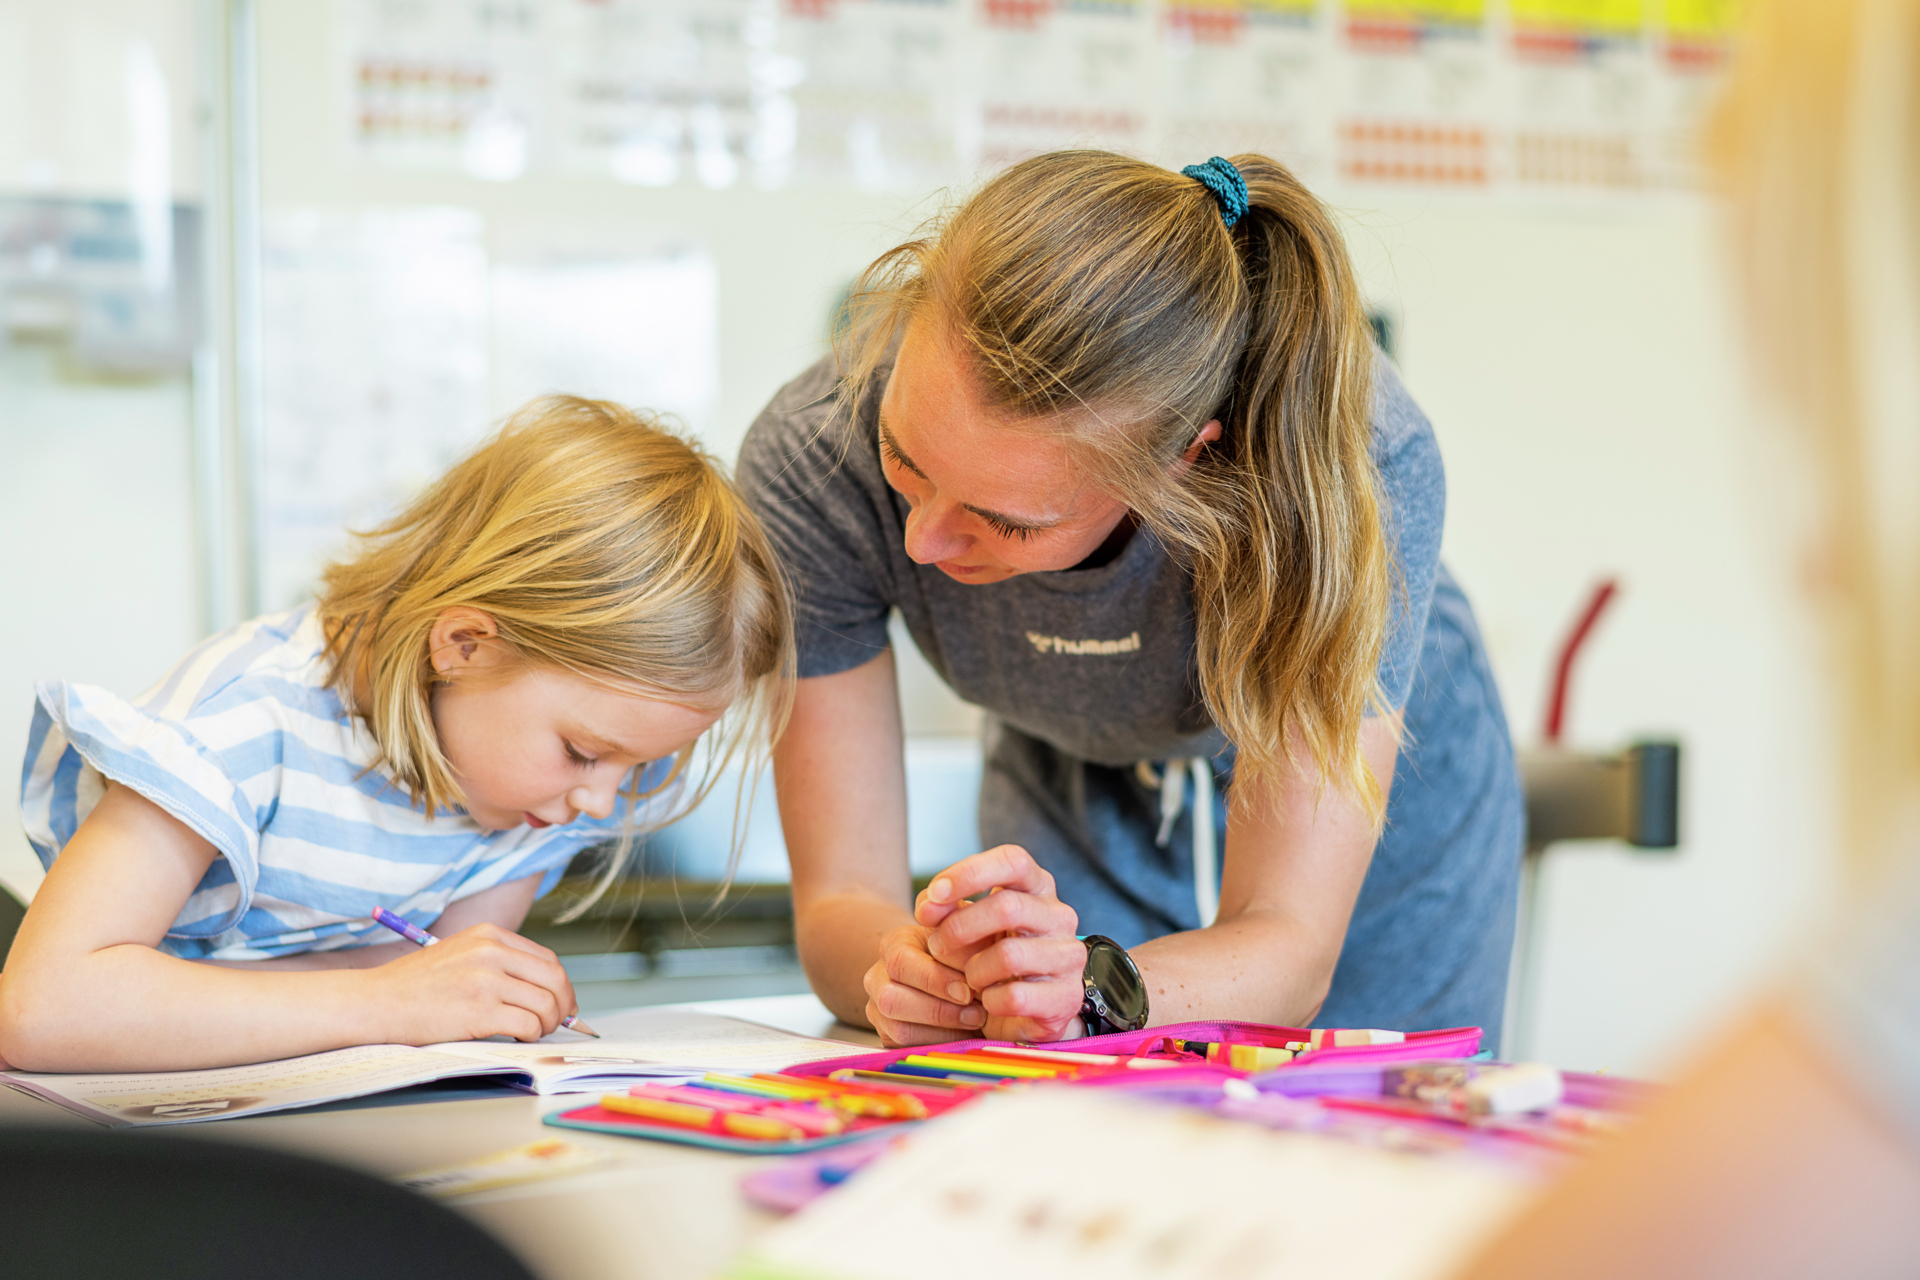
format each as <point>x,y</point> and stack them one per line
<point>1583,379</point>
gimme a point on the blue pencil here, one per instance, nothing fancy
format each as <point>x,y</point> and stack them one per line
<point>420,937</point>
<point>936,1073</point>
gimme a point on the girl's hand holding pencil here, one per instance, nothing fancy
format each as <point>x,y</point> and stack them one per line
<point>483,981</point>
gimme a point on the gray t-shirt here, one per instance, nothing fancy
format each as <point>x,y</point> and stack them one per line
<point>1088,671</point>
<point>1101,662</point>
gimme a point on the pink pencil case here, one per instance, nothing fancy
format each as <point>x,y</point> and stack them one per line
<point>1157,1042</point>
<point>1419,1046</point>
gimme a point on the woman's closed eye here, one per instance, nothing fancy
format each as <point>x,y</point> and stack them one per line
<point>574,755</point>
<point>1018,532</point>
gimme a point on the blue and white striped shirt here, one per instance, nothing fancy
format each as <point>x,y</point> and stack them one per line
<point>246,743</point>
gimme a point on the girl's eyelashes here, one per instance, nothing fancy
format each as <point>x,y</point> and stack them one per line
<point>573,754</point>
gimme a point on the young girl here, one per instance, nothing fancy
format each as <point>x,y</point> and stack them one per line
<point>512,670</point>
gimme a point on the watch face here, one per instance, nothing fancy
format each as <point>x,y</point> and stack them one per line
<point>1111,970</point>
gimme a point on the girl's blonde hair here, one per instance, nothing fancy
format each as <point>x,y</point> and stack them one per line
<point>600,544</point>
<point>1104,298</point>
<point>1816,145</point>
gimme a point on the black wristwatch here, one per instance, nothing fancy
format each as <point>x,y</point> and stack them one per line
<point>1116,995</point>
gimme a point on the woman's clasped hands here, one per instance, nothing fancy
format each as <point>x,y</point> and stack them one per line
<point>992,952</point>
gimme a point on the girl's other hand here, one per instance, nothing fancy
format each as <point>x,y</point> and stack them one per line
<point>913,998</point>
<point>483,981</point>
<point>1017,946</point>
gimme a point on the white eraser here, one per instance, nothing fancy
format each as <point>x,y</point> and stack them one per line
<point>1324,1038</point>
<point>1525,1086</point>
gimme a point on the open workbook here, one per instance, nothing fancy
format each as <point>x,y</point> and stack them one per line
<point>637,1045</point>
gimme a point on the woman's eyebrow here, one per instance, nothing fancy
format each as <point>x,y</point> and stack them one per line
<point>985,513</point>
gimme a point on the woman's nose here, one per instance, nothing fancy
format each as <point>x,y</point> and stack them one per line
<point>932,532</point>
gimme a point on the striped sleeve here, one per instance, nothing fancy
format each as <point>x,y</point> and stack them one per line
<point>83,736</point>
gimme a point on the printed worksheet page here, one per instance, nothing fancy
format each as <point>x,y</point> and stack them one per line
<point>1058,1183</point>
<point>181,1097</point>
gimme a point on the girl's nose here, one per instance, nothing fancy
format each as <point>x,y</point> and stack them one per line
<point>594,801</point>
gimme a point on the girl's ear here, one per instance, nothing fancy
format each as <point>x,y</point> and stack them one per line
<point>459,640</point>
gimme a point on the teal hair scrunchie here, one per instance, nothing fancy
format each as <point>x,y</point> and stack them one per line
<point>1220,177</point>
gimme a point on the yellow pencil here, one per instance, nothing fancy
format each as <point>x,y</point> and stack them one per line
<point>764,1127</point>
<point>681,1113</point>
<point>688,1116</point>
<point>980,1066</point>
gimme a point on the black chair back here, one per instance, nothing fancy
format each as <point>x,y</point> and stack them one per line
<point>94,1205</point>
<point>12,912</point>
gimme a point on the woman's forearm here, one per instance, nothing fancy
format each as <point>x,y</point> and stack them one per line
<point>839,939</point>
<point>1257,967</point>
<point>1296,856</point>
<point>841,777</point>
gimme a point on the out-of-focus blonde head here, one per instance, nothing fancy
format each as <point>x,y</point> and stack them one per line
<point>601,544</point>
<point>1816,148</point>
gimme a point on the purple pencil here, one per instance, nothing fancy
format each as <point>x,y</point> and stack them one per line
<point>420,937</point>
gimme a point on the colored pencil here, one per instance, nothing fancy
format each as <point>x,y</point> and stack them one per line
<point>941,1089</point>
<point>982,1065</point>
<point>705,1119</point>
<point>864,1099</point>
<point>817,1123</point>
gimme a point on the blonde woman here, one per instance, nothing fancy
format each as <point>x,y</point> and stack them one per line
<point>1115,442</point>
<point>514,669</point>
<point>1793,1147</point>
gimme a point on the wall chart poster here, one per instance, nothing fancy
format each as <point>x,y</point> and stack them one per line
<point>446,84</point>
<point>1594,100</point>
<point>650,92</point>
<point>1418,105</point>
<point>876,92</point>
<point>1580,78</point>
<point>1062,73</point>
<point>1246,75</point>
<point>1696,46</point>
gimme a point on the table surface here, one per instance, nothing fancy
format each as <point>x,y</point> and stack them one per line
<point>661,1211</point>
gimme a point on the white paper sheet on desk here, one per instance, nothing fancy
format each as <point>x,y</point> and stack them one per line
<point>640,1044</point>
<point>1054,1183</point>
<point>643,1043</point>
